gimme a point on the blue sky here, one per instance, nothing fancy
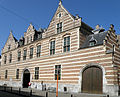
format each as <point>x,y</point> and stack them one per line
<point>16,15</point>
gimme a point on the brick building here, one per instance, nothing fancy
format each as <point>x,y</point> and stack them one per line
<point>87,60</point>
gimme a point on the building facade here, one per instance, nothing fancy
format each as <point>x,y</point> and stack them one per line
<point>0,60</point>
<point>86,60</point>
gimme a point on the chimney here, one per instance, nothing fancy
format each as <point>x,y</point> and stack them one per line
<point>77,16</point>
<point>97,27</point>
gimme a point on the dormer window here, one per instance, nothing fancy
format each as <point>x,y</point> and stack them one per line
<point>92,43</point>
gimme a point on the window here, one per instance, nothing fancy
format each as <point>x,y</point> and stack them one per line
<point>58,71</point>
<point>5,59</point>
<point>19,55</point>
<point>38,50</point>
<point>39,36</point>
<point>59,27</point>
<point>59,15</point>
<point>52,47</point>
<point>36,72</point>
<point>6,72</point>
<point>25,54</point>
<point>9,46</point>
<point>10,59</point>
<point>17,74</point>
<point>66,44</point>
<point>31,53</point>
<point>92,43</point>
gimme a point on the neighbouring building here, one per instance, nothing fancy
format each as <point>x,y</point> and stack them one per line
<point>0,60</point>
<point>86,60</point>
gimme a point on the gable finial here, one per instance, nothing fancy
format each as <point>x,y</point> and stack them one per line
<point>11,31</point>
<point>60,2</point>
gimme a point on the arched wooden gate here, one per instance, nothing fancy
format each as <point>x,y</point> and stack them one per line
<point>92,80</point>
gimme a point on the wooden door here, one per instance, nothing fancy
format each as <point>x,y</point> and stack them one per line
<point>26,78</point>
<point>92,80</point>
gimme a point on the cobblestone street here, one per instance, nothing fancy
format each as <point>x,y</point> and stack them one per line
<point>6,94</point>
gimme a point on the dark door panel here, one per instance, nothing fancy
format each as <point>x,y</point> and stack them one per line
<point>26,78</point>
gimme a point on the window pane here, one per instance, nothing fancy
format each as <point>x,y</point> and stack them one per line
<point>65,41</point>
<point>57,30</point>
<point>17,74</point>
<point>19,55</point>
<point>25,52</point>
<point>10,58</point>
<point>61,24</point>
<point>36,72</point>
<point>60,29</point>
<point>58,72</point>
<point>31,50</point>
<point>31,53</point>
<point>6,72</point>
<point>53,44</point>
<point>68,48</point>
<point>58,25</point>
<point>64,49</point>
<point>52,47</point>
<point>5,59</point>
<point>92,43</point>
<point>68,40</point>
<point>38,50</point>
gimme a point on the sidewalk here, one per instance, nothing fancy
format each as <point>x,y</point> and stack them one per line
<point>38,93</point>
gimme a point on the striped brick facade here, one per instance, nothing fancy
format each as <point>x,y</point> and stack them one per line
<point>72,62</point>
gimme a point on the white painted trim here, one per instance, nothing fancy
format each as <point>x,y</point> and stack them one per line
<point>67,12</point>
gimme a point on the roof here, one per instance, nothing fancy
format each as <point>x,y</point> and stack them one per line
<point>99,37</point>
<point>15,39</point>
